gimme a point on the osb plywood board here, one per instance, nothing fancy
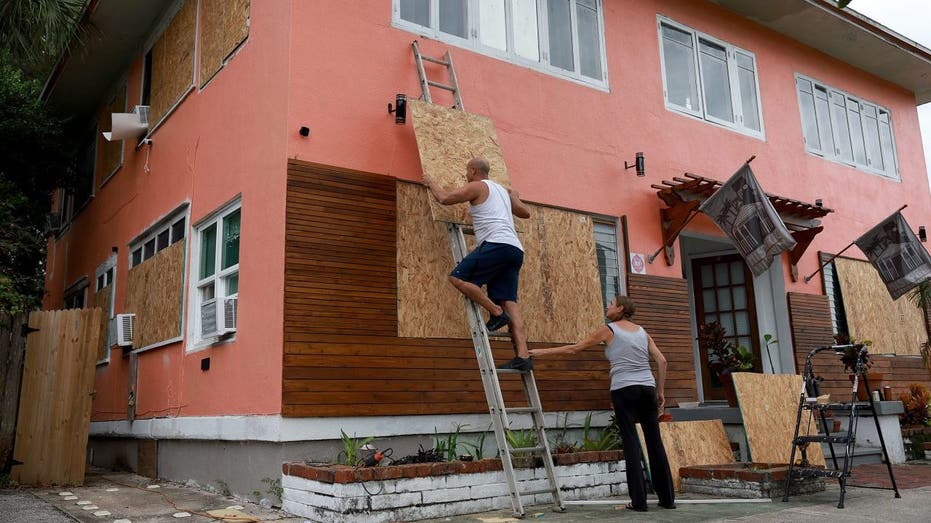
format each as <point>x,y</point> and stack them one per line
<point>447,139</point>
<point>153,292</point>
<point>690,443</point>
<point>112,152</point>
<point>173,62</point>
<point>224,24</point>
<point>894,327</point>
<point>102,301</point>
<point>769,406</point>
<point>559,292</point>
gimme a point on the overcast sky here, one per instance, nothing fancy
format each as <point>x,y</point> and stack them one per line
<point>909,18</point>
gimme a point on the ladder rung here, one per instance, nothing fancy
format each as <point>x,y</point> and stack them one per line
<point>441,86</point>
<point>519,450</point>
<point>821,438</point>
<point>520,410</point>
<point>510,371</point>
<point>440,61</point>
<point>499,334</point>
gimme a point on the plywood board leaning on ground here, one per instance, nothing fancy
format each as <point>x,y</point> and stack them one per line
<point>894,327</point>
<point>102,301</point>
<point>769,407</point>
<point>173,62</point>
<point>153,293</point>
<point>447,139</point>
<point>55,404</point>
<point>559,293</point>
<point>690,443</point>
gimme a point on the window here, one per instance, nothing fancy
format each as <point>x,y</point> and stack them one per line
<point>166,232</point>
<point>845,129</point>
<point>76,294</point>
<point>710,79</point>
<point>564,37</point>
<point>835,298</point>
<point>104,289</point>
<point>606,251</point>
<point>216,266</point>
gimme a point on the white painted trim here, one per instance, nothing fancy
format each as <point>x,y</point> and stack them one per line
<point>279,429</point>
<point>170,341</point>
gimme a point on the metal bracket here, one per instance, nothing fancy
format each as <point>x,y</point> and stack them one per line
<point>27,330</point>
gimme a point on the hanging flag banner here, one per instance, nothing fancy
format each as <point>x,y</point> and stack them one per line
<point>898,256</point>
<point>743,211</point>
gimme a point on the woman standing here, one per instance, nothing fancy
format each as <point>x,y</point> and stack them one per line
<point>637,397</point>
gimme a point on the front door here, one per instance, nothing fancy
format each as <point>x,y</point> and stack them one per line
<point>723,288</point>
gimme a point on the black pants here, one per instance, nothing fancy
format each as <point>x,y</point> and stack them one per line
<point>632,405</point>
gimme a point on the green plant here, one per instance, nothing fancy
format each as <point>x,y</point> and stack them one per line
<point>916,448</point>
<point>851,351</point>
<point>274,486</point>
<point>7,482</point>
<point>723,356</point>
<point>477,450</point>
<point>770,340</point>
<point>352,447</point>
<point>522,438</point>
<point>917,404</point>
<point>560,443</point>
<point>448,448</point>
<point>605,439</point>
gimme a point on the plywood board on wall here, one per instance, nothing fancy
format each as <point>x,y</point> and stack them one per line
<point>769,407</point>
<point>894,327</point>
<point>691,443</point>
<point>559,294</point>
<point>153,292</point>
<point>447,139</point>
<point>112,152</point>
<point>173,62</point>
<point>224,24</point>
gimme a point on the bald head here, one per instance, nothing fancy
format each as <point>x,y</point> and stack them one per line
<point>480,165</point>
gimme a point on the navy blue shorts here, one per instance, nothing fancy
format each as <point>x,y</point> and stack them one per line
<point>494,264</point>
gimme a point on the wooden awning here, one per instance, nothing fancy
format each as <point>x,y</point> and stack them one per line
<point>683,195</point>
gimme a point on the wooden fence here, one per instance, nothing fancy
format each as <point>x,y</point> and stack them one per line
<point>55,399</point>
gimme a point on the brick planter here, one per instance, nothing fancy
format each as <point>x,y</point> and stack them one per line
<point>336,493</point>
<point>745,480</point>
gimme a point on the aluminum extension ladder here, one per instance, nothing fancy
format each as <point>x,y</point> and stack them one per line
<point>808,402</point>
<point>486,362</point>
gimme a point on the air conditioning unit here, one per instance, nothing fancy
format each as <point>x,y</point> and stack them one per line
<point>128,125</point>
<point>123,329</point>
<point>228,316</point>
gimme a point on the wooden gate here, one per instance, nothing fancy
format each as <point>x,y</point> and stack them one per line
<point>55,402</point>
<point>12,352</point>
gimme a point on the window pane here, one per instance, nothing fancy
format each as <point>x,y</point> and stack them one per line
<point>856,132</point>
<point>417,11</point>
<point>177,231</point>
<point>491,22</point>
<point>526,35</point>
<point>208,310</point>
<point>109,277</point>
<point>149,249</point>
<point>737,273</point>
<point>208,252</point>
<point>724,298</point>
<point>453,19</point>
<point>100,283</point>
<point>589,40</point>
<point>874,154</point>
<point>162,240</point>
<point>606,252</point>
<point>885,139</point>
<point>232,285</point>
<point>806,106</point>
<point>715,83</point>
<point>839,121</point>
<point>230,240</point>
<point>823,113</point>
<point>746,77</point>
<point>721,274</point>
<point>137,256</point>
<point>707,300</point>
<point>560,32</point>
<point>681,81</point>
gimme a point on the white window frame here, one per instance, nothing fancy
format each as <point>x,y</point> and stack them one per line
<point>473,38</point>
<point>733,81</point>
<point>835,155</point>
<point>620,262</point>
<point>196,339</point>
<point>152,233</point>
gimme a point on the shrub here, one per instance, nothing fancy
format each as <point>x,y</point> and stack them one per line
<point>917,403</point>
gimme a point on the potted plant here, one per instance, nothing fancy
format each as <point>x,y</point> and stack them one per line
<point>848,356</point>
<point>724,357</point>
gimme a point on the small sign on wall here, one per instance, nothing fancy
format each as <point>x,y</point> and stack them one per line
<point>638,263</point>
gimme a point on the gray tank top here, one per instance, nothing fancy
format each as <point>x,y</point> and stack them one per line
<point>629,355</point>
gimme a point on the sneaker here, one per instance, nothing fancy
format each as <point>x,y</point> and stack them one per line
<point>496,322</point>
<point>518,363</point>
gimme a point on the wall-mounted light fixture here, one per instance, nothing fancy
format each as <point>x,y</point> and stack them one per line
<point>639,164</point>
<point>922,233</point>
<point>819,203</point>
<point>304,131</point>
<point>399,109</point>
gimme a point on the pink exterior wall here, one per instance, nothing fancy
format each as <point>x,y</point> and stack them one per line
<point>221,141</point>
<point>565,144</point>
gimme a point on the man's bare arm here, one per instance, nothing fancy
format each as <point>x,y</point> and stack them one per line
<point>518,207</point>
<point>466,193</point>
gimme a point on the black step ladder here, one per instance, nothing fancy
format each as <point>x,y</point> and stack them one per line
<point>808,402</point>
<point>486,362</point>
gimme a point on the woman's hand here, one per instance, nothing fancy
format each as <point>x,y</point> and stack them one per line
<point>661,401</point>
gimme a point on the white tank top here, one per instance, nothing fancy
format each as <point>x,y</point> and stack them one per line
<point>492,219</point>
<point>629,355</point>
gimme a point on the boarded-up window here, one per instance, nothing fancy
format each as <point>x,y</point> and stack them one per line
<point>173,62</point>
<point>224,25</point>
<point>111,153</point>
<point>894,327</point>
<point>154,293</point>
<point>103,298</point>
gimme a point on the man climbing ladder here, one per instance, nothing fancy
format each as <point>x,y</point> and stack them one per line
<point>498,255</point>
